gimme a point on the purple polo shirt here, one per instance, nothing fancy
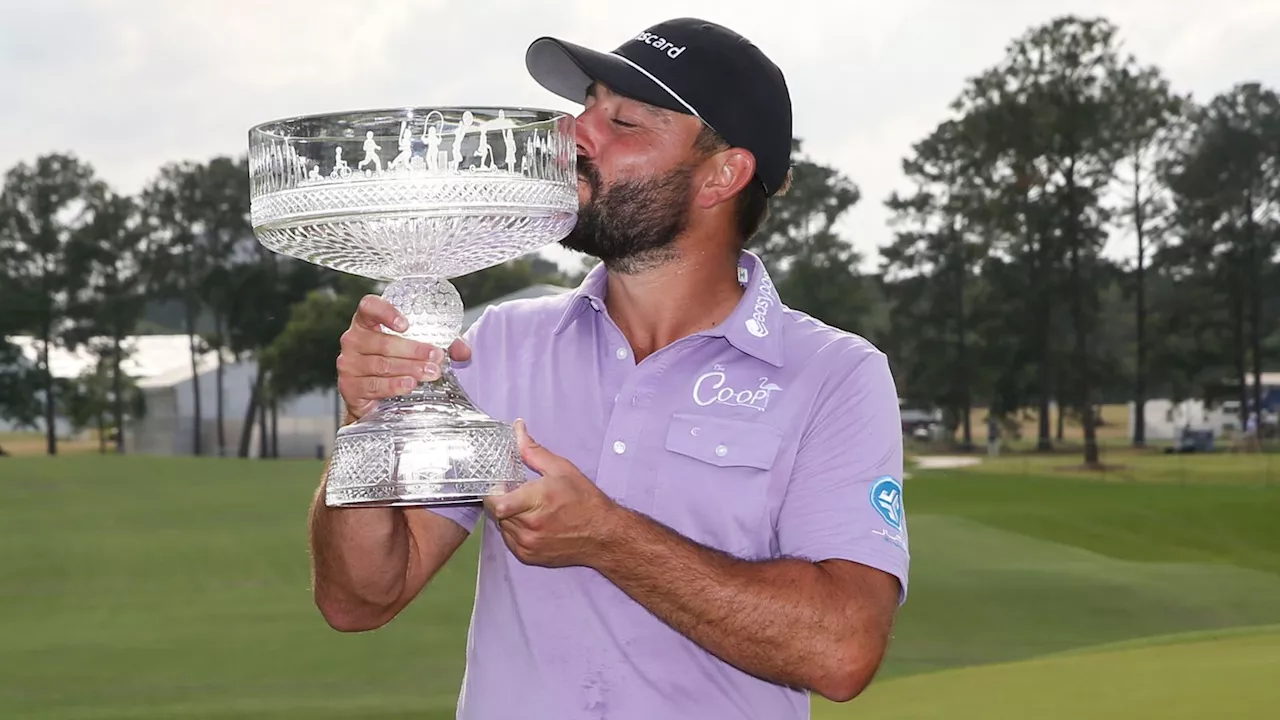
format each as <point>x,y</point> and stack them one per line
<point>771,435</point>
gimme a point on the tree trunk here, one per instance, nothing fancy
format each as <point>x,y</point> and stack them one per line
<point>1238,342</point>
<point>275,428</point>
<point>264,447</point>
<point>1044,443</point>
<point>962,343</point>
<point>50,409</point>
<point>195,392</point>
<point>1043,335</point>
<point>1062,419</point>
<point>1082,363</point>
<point>246,430</point>
<point>1255,308</point>
<point>1140,370</point>
<point>222,435</point>
<point>117,385</point>
<point>46,335</point>
<point>102,431</point>
<point>1078,283</point>
<point>192,344</point>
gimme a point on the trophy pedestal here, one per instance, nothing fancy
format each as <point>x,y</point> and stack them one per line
<point>431,447</point>
<point>413,197</point>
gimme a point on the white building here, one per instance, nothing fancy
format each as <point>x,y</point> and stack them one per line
<point>146,356</point>
<point>304,425</point>
<point>161,368</point>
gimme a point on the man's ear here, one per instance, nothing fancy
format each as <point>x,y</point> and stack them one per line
<point>725,174</point>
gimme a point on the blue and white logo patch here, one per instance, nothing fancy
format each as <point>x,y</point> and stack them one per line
<point>886,498</point>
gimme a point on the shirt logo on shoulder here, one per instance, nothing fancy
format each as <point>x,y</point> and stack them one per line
<point>712,388</point>
<point>766,296</point>
<point>886,498</point>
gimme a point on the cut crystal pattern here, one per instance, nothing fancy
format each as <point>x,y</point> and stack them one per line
<point>430,447</point>
<point>414,197</point>
<point>431,305</point>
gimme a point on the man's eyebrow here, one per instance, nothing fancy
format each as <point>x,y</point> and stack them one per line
<point>657,113</point>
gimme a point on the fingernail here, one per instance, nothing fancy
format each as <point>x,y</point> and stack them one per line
<point>401,324</point>
<point>431,371</point>
<point>437,355</point>
<point>407,383</point>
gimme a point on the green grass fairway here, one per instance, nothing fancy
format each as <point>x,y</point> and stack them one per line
<point>178,588</point>
<point>1228,677</point>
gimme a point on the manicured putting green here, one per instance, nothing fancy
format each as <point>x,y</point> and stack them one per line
<point>1235,676</point>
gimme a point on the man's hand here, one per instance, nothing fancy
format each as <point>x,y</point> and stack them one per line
<point>557,520</point>
<point>375,364</point>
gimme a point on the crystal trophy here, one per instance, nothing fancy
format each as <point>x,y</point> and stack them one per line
<point>413,197</point>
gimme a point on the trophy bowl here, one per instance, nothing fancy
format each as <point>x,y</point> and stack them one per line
<point>414,197</point>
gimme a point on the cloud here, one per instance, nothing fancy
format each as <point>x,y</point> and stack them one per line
<point>129,86</point>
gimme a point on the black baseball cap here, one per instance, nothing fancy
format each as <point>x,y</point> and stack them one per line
<point>691,66</point>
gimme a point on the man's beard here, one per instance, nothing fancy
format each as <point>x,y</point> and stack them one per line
<point>633,225</point>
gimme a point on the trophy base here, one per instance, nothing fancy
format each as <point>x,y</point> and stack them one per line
<point>431,447</point>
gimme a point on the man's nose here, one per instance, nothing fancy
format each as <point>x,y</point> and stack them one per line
<point>586,131</point>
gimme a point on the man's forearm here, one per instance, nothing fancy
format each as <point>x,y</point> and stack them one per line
<point>360,561</point>
<point>782,620</point>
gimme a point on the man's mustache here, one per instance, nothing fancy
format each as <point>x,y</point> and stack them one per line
<point>587,171</point>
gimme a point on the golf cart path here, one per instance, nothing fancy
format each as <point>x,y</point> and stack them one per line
<point>945,462</point>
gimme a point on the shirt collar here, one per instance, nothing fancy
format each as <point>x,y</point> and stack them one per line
<point>754,326</point>
<point>589,294</point>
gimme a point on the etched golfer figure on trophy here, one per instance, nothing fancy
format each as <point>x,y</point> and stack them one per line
<point>415,222</point>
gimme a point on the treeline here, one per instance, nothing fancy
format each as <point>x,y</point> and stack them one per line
<point>995,292</point>
<point>999,291</point>
<point>83,267</point>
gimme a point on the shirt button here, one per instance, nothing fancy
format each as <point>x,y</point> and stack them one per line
<point>721,450</point>
<point>619,447</point>
<point>621,353</point>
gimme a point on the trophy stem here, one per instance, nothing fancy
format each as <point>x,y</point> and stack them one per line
<point>432,445</point>
<point>432,306</point>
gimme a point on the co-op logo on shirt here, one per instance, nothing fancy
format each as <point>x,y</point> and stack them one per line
<point>766,296</point>
<point>712,388</point>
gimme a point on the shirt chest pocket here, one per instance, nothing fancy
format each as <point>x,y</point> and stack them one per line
<point>714,485</point>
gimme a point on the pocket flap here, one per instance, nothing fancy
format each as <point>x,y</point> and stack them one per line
<point>723,442</point>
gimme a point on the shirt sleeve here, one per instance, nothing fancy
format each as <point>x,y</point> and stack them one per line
<point>844,500</point>
<point>468,374</point>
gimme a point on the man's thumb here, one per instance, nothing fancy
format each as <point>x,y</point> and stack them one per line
<point>533,454</point>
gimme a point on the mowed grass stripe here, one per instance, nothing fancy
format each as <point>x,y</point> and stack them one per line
<point>178,587</point>
<point>982,595</point>
<point>1224,678</point>
<point>1152,522</point>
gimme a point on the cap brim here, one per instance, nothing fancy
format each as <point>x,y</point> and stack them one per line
<point>568,70</point>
